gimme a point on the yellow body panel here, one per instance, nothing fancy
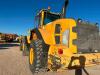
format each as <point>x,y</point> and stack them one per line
<point>48,32</point>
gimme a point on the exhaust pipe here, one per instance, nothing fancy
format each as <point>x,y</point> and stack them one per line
<point>64,8</point>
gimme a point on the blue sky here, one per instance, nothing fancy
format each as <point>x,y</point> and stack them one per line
<point>17,16</point>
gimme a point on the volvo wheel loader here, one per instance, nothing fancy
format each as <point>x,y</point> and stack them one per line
<point>52,44</point>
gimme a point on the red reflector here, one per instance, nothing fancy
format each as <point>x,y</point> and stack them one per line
<point>60,51</point>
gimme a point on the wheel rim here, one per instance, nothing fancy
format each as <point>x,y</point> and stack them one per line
<point>31,56</point>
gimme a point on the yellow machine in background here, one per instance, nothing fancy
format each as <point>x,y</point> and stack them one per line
<point>52,44</point>
<point>25,44</point>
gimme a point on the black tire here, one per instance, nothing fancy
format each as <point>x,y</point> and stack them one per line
<point>36,65</point>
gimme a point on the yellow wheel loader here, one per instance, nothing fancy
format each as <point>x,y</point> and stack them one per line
<point>53,45</point>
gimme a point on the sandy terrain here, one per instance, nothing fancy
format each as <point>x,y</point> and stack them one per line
<point>13,63</point>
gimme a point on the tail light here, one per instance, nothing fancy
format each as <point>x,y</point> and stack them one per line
<point>60,51</point>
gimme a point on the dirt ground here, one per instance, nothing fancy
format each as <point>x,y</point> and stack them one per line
<point>13,63</point>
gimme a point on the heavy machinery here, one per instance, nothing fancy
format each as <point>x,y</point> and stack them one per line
<point>52,44</point>
<point>24,45</point>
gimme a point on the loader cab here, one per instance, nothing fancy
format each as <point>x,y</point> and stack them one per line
<point>45,17</point>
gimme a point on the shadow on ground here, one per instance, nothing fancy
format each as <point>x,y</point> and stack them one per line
<point>7,45</point>
<point>79,69</point>
<point>4,48</point>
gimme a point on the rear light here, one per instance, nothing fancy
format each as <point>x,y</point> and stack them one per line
<point>60,51</point>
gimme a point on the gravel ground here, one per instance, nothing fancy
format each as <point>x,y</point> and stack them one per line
<point>13,63</point>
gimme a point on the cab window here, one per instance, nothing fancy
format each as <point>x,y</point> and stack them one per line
<point>49,17</point>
